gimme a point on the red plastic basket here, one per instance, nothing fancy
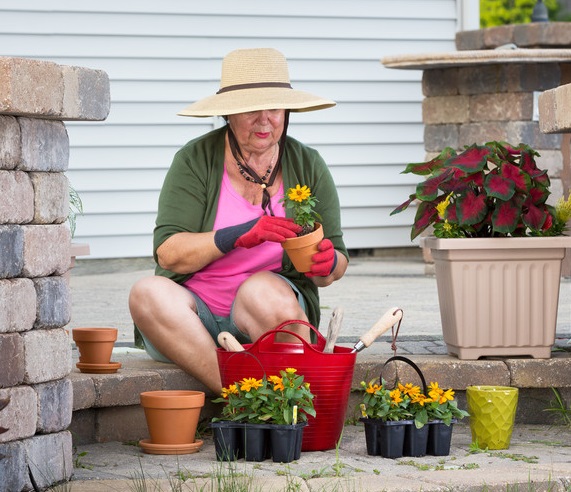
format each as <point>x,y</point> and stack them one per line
<point>329,375</point>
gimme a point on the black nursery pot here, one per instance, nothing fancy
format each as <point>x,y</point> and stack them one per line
<point>286,442</point>
<point>439,438</point>
<point>256,442</point>
<point>415,440</point>
<point>228,440</point>
<point>385,439</point>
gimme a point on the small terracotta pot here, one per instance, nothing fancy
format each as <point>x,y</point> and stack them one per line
<point>95,344</point>
<point>172,415</point>
<point>301,249</point>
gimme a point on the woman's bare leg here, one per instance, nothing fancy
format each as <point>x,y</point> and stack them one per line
<point>166,313</point>
<point>263,302</point>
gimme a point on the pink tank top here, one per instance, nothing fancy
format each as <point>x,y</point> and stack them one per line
<point>217,283</point>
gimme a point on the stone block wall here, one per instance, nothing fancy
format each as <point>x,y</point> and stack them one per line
<point>551,35</point>
<point>479,103</point>
<point>35,349</point>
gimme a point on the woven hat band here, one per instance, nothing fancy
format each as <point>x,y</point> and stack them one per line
<point>257,85</point>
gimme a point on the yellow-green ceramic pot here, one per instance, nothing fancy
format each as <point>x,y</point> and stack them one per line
<point>492,414</point>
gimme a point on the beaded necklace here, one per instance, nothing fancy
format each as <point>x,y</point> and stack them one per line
<point>250,175</point>
<point>245,170</point>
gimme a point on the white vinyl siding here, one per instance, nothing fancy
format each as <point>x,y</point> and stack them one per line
<point>161,56</point>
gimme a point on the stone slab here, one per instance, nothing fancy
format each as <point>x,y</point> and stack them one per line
<point>424,61</point>
<point>43,89</point>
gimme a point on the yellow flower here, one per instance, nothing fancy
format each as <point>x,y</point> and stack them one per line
<point>434,391</point>
<point>563,209</point>
<point>409,389</point>
<point>420,399</point>
<point>443,205</point>
<point>299,193</point>
<point>231,390</point>
<point>396,396</point>
<point>291,370</point>
<point>372,388</point>
<point>248,384</point>
<point>448,395</point>
<point>277,382</point>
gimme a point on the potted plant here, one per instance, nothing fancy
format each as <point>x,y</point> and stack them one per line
<point>488,204</point>
<point>300,249</point>
<point>385,414</point>
<point>396,420</point>
<point>440,411</point>
<point>75,209</point>
<point>261,415</point>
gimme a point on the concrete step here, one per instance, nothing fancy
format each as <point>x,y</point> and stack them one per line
<point>106,407</point>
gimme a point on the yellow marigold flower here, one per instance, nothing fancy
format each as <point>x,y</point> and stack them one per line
<point>420,399</point>
<point>433,386</point>
<point>373,388</point>
<point>563,209</point>
<point>435,392</point>
<point>231,390</point>
<point>409,389</point>
<point>299,193</point>
<point>248,384</point>
<point>277,382</point>
<point>448,395</point>
<point>291,370</point>
<point>396,396</point>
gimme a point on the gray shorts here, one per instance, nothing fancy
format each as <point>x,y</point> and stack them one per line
<point>216,324</point>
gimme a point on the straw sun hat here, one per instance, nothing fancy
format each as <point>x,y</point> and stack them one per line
<point>253,80</point>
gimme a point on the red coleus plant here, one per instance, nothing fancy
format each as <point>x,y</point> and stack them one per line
<point>485,191</point>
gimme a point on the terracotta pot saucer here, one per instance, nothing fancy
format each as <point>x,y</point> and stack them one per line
<point>110,368</point>
<point>150,448</point>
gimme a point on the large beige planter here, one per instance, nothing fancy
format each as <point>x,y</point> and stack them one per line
<point>498,296</point>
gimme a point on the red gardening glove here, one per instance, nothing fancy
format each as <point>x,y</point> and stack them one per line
<point>268,228</point>
<point>323,262</point>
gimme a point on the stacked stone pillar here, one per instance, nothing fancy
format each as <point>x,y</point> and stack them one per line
<point>35,349</point>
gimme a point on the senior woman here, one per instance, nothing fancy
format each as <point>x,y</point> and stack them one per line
<point>220,264</point>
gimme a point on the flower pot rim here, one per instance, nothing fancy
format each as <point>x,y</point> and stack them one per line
<point>491,388</point>
<point>94,334</point>
<point>172,399</point>
<point>299,241</point>
<point>434,242</point>
<point>386,422</point>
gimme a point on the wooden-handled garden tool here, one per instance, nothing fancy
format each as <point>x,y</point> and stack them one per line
<point>229,342</point>
<point>390,318</point>
<point>333,330</point>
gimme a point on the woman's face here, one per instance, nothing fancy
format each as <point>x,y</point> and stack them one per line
<point>257,131</point>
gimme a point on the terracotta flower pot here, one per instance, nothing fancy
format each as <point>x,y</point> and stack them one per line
<point>172,415</point>
<point>95,344</point>
<point>301,249</point>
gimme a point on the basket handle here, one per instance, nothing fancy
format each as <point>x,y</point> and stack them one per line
<point>264,342</point>
<point>320,343</point>
<point>241,354</point>
<point>411,364</point>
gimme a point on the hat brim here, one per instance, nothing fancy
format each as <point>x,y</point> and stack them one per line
<point>258,99</point>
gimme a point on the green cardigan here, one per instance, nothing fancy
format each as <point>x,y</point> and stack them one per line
<point>189,199</point>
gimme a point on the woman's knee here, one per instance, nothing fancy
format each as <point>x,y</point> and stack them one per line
<point>267,291</point>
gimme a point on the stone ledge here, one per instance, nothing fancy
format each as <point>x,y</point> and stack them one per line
<point>106,406</point>
<point>554,116</point>
<point>44,89</point>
